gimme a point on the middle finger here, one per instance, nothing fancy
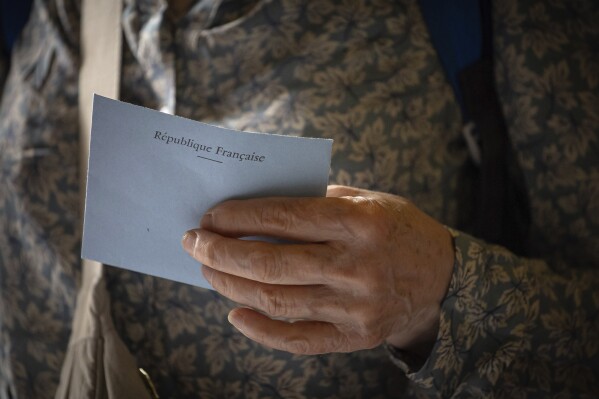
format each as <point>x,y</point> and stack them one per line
<point>291,264</point>
<point>308,302</point>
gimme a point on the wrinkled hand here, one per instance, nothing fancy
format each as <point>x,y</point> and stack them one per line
<point>366,268</point>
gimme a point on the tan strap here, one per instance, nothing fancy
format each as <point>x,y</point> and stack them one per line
<point>101,48</point>
<point>97,364</point>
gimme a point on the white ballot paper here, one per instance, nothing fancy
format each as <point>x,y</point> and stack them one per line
<point>152,176</point>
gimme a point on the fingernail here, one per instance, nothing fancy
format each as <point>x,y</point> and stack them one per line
<point>236,319</point>
<point>206,220</point>
<point>189,240</point>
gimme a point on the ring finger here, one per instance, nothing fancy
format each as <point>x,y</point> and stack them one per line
<point>307,302</point>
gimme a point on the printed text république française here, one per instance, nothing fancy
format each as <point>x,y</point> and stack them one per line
<point>220,151</point>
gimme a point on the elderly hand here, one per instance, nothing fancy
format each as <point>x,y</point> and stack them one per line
<point>364,268</point>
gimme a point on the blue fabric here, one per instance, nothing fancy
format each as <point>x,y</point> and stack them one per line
<point>456,32</point>
<point>13,17</point>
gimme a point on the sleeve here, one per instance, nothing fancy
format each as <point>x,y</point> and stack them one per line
<point>39,197</point>
<point>529,327</point>
<point>512,327</point>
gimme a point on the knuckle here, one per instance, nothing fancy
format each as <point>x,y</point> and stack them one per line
<point>297,345</point>
<point>265,265</point>
<point>270,302</point>
<point>322,261</point>
<point>365,218</point>
<point>210,251</point>
<point>367,321</point>
<point>339,343</point>
<point>320,303</point>
<point>277,218</point>
<point>346,272</point>
<point>375,281</point>
<point>347,346</point>
<point>377,221</point>
<point>221,285</point>
<point>371,340</point>
<point>354,272</point>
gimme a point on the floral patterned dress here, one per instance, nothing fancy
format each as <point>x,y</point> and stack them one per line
<point>365,74</point>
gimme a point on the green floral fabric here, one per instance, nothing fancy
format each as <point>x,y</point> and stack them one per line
<point>548,82</point>
<point>365,74</point>
<point>39,202</point>
<point>514,327</point>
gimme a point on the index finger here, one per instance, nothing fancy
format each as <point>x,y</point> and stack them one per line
<point>300,219</point>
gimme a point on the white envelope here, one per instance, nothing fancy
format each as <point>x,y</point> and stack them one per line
<point>152,176</point>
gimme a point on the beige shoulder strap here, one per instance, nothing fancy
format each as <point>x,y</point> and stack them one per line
<point>97,364</point>
<point>101,49</point>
